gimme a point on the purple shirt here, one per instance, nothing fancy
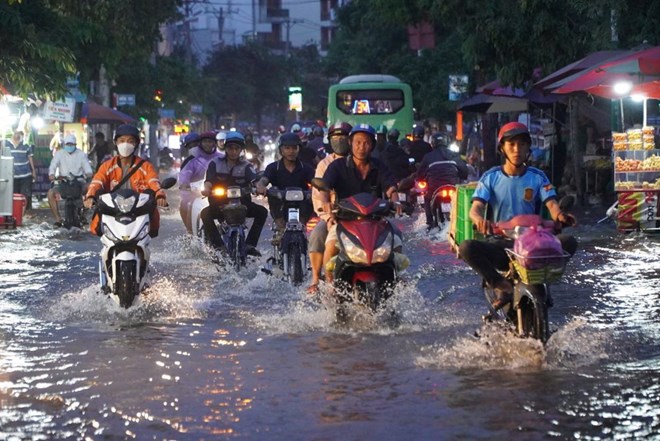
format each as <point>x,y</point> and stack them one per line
<point>195,169</point>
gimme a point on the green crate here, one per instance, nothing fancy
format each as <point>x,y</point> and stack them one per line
<point>464,194</point>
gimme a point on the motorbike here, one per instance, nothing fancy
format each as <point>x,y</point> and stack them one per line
<point>534,266</point>
<point>366,269</point>
<point>232,228</point>
<point>124,265</point>
<point>441,205</point>
<point>71,189</point>
<point>290,250</point>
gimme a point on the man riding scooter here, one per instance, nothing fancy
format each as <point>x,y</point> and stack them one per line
<point>439,167</point>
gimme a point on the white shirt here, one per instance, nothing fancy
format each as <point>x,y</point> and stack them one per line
<point>321,167</point>
<point>65,164</point>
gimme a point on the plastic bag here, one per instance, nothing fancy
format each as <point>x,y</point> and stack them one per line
<point>537,248</point>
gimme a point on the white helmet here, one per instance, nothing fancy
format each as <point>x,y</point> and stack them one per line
<point>221,136</point>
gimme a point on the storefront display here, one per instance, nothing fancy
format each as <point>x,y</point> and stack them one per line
<point>637,179</point>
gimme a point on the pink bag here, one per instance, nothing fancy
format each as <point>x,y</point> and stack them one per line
<point>536,243</point>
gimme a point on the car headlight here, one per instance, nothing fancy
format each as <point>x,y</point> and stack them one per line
<point>354,252</point>
<point>109,234</point>
<point>382,253</point>
<point>125,204</point>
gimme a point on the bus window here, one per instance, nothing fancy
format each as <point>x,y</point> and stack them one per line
<point>374,102</point>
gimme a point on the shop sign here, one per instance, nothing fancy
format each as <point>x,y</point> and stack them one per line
<point>62,111</point>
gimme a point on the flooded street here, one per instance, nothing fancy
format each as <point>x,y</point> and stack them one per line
<point>216,355</point>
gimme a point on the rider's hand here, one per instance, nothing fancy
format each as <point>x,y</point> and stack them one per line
<point>88,202</point>
<point>161,202</point>
<point>260,188</point>
<point>483,226</point>
<point>567,219</point>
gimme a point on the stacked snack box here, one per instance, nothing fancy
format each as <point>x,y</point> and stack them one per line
<point>637,179</point>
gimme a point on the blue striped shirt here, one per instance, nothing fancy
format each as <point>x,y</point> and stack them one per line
<point>21,153</point>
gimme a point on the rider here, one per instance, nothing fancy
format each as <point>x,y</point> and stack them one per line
<point>287,172</point>
<point>395,158</point>
<point>381,142</point>
<point>252,151</point>
<point>509,190</point>
<point>419,147</point>
<point>142,177</point>
<point>220,140</point>
<point>438,168</point>
<point>242,174</point>
<point>193,170</point>
<point>68,161</point>
<point>357,173</point>
<point>338,139</point>
<point>189,147</point>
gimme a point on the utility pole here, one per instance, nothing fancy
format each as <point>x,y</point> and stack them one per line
<point>186,29</point>
<point>289,23</point>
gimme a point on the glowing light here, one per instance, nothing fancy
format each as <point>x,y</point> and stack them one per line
<point>623,88</point>
<point>638,98</point>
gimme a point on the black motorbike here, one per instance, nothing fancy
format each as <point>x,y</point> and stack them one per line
<point>290,246</point>
<point>232,227</point>
<point>71,190</point>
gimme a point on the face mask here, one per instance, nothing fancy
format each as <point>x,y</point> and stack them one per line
<point>69,148</point>
<point>125,149</point>
<point>340,145</point>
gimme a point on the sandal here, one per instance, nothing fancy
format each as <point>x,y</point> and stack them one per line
<point>313,289</point>
<point>58,224</point>
<point>503,299</point>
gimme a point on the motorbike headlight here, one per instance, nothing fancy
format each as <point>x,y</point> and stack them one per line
<point>354,252</point>
<point>249,156</point>
<point>382,253</point>
<point>219,191</point>
<point>109,234</point>
<point>125,204</point>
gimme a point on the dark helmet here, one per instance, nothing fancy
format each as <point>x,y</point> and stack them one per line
<point>512,129</point>
<point>418,132</point>
<point>440,140</point>
<point>393,134</point>
<point>206,135</point>
<point>288,139</point>
<point>339,128</point>
<point>248,136</point>
<point>318,131</point>
<point>189,138</point>
<point>127,129</point>
<point>234,137</point>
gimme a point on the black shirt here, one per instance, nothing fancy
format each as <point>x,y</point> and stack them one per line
<point>419,148</point>
<point>278,175</point>
<point>345,179</point>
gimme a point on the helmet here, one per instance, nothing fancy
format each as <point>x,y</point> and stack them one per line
<point>439,140</point>
<point>207,135</point>
<point>381,130</point>
<point>70,139</point>
<point>127,129</point>
<point>339,128</point>
<point>318,131</point>
<point>190,138</point>
<point>248,136</point>
<point>418,132</point>
<point>234,137</point>
<point>296,128</point>
<point>364,128</point>
<point>288,139</point>
<point>512,129</point>
<point>393,134</point>
<point>221,136</point>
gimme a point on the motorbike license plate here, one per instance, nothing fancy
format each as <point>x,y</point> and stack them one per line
<point>294,215</point>
<point>420,199</point>
<point>234,192</point>
<point>402,197</point>
<point>446,207</point>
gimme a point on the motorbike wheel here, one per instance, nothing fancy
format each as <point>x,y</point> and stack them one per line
<point>533,313</point>
<point>126,287</point>
<point>237,250</point>
<point>295,261</point>
<point>69,214</point>
<point>370,295</point>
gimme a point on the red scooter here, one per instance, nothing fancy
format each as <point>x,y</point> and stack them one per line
<point>366,268</point>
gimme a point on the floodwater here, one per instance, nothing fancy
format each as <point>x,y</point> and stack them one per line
<point>210,354</point>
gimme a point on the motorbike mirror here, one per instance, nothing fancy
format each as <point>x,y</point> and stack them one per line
<point>320,184</point>
<point>406,184</point>
<point>168,183</point>
<point>567,202</point>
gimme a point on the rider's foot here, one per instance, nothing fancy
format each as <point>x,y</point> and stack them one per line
<point>503,299</point>
<point>58,224</point>
<point>313,289</point>
<point>252,251</point>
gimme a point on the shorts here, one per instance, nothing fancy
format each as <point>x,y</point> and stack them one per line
<point>317,238</point>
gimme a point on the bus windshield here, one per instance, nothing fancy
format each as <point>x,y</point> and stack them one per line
<point>370,101</point>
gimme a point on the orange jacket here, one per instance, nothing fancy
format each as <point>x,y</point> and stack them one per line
<point>110,174</point>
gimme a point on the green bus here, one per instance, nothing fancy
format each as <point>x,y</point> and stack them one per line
<point>374,100</point>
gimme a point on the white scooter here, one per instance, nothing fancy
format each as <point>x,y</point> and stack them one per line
<point>124,265</point>
<point>198,205</point>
